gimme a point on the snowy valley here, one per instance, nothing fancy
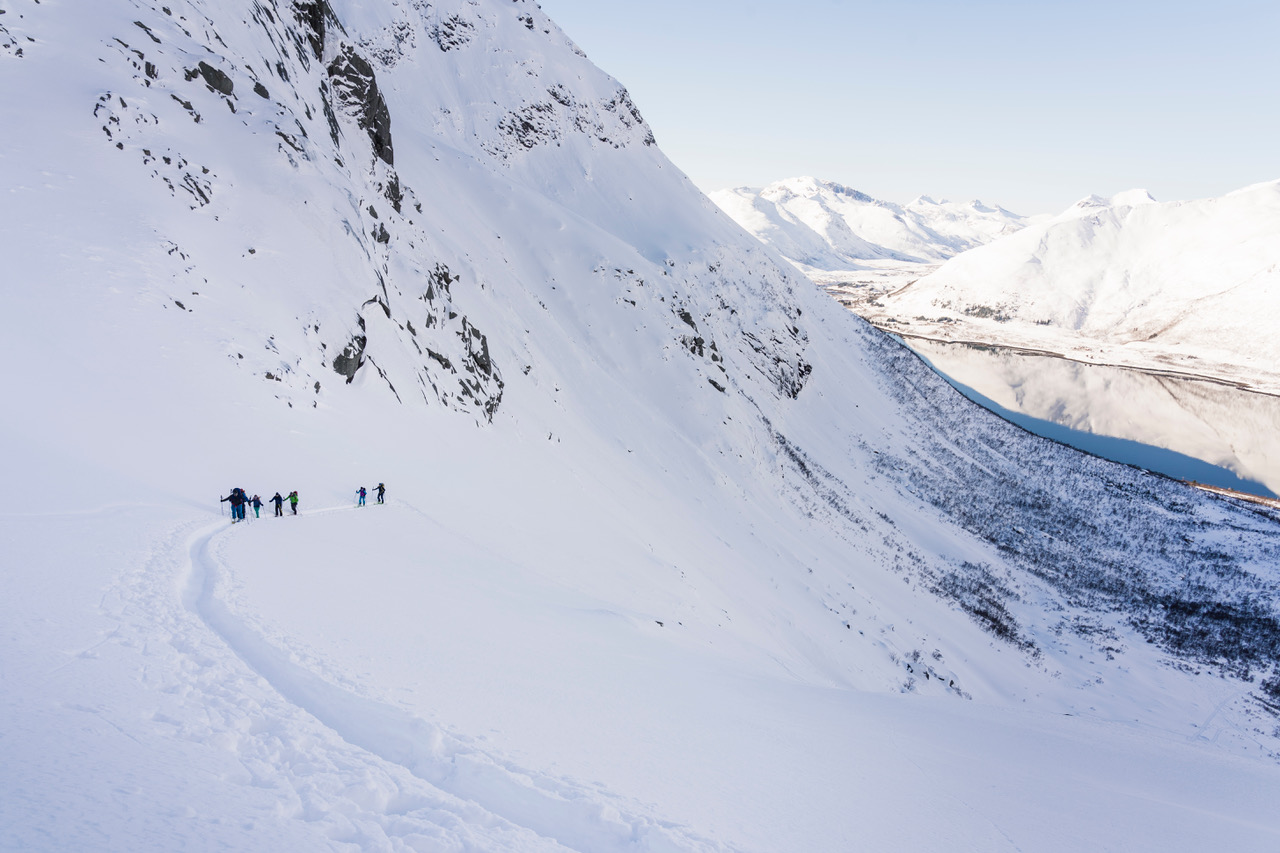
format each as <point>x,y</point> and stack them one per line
<point>1171,287</point>
<point>677,553</point>
<point>1150,307</point>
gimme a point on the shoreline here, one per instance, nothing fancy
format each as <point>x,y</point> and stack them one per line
<point>1271,503</point>
<point>1023,350</point>
<point>1088,441</point>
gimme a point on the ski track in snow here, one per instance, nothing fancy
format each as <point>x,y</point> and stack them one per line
<point>536,811</point>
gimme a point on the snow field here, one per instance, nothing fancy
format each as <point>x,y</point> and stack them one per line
<point>362,677</point>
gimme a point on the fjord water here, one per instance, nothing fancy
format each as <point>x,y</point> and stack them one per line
<point>1189,429</point>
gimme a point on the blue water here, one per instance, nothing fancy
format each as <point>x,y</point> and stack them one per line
<point>1145,456</point>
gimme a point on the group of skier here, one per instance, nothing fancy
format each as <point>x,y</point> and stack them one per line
<point>361,492</point>
<point>240,502</point>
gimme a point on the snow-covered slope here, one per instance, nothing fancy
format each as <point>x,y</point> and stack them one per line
<point>1188,287</point>
<point>823,227</point>
<point>678,554</point>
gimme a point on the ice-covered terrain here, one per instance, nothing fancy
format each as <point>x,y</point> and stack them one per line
<point>827,229</point>
<point>677,554</point>
<point>1179,287</point>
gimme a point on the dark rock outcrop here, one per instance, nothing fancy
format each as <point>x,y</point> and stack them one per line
<point>216,80</point>
<point>351,358</point>
<point>356,89</point>
<point>316,18</point>
<point>452,32</point>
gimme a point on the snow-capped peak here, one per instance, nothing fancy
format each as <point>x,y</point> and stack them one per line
<point>821,225</point>
<point>1093,203</point>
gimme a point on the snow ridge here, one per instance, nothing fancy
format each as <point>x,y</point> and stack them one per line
<point>822,226</point>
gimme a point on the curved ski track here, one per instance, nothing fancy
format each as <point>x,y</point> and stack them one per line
<point>504,804</point>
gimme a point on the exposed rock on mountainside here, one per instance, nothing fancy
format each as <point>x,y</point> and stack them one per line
<point>353,80</point>
<point>303,117</point>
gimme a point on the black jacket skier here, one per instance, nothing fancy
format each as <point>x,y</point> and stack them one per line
<point>237,499</point>
<point>279,502</point>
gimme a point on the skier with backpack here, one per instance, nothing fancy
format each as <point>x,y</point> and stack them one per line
<point>279,502</point>
<point>237,500</point>
<point>257,506</point>
<point>360,494</point>
<point>293,501</point>
<point>382,490</point>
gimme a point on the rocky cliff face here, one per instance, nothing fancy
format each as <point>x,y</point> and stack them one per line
<point>305,96</point>
<point>300,86</point>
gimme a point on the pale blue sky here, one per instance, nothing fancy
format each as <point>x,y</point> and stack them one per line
<point>1030,105</point>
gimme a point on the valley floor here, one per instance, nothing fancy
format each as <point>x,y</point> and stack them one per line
<point>864,292</point>
<point>1215,415</point>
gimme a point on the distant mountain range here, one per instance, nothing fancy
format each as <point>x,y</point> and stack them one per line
<point>1180,287</point>
<point>821,226</point>
<point>1189,287</point>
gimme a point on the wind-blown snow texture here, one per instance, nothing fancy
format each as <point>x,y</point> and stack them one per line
<point>823,227</point>
<point>678,554</point>
<point>1182,287</point>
